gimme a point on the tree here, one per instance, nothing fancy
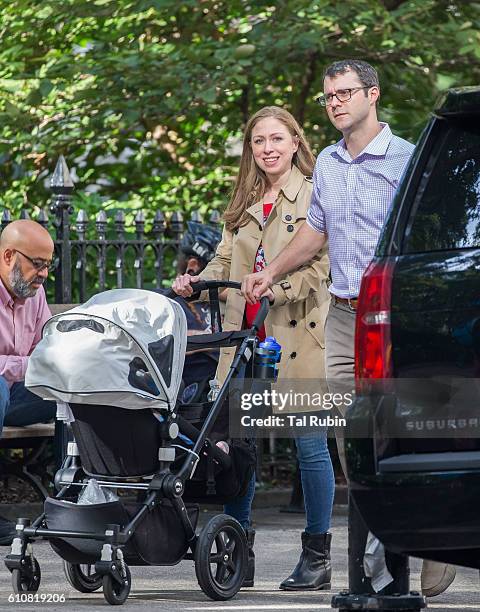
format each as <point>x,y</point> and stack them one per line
<point>145,98</point>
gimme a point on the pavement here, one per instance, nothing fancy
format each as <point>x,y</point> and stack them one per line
<point>277,549</point>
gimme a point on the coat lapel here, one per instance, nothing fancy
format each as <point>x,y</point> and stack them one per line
<point>256,210</point>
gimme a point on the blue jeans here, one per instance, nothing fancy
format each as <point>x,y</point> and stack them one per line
<point>318,481</point>
<point>241,507</point>
<point>19,406</point>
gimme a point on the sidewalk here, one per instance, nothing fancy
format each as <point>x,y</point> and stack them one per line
<point>277,549</point>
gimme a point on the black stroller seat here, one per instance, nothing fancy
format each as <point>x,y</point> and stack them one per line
<point>114,442</point>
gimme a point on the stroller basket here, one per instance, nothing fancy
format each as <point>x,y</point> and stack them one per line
<point>158,539</point>
<point>67,516</point>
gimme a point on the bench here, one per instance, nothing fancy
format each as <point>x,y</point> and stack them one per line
<point>35,442</point>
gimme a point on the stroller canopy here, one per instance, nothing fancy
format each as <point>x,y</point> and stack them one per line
<point>124,347</point>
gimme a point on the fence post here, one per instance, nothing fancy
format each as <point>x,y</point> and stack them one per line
<point>43,218</point>
<point>140,234</point>
<point>158,231</point>
<point>119,223</point>
<point>176,226</point>
<point>61,186</point>
<point>81,263</point>
<point>6,219</point>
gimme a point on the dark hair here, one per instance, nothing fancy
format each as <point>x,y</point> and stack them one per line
<point>367,74</point>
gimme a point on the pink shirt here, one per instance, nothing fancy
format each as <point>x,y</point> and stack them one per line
<point>21,323</point>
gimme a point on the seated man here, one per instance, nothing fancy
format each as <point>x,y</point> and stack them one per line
<point>26,251</point>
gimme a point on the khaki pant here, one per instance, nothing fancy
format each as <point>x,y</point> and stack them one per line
<point>339,357</point>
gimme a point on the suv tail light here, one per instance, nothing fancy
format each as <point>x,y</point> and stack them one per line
<point>373,346</point>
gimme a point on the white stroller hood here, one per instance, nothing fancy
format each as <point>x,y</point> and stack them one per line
<point>124,347</point>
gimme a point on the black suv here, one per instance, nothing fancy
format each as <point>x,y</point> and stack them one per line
<point>413,433</point>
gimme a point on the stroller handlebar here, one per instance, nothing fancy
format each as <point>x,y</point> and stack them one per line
<point>208,285</point>
<point>205,285</point>
<point>261,314</point>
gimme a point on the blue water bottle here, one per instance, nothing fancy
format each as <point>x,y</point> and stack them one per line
<point>267,357</point>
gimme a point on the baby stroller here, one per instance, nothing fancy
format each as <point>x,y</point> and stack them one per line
<point>114,365</point>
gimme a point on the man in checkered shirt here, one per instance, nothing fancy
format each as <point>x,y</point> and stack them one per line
<point>353,185</point>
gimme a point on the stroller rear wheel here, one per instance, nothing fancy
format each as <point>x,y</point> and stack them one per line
<point>114,592</point>
<point>83,578</point>
<point>28,580</point>
<point>221,557</point>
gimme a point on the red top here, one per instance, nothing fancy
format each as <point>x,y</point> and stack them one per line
<point>258,266</point>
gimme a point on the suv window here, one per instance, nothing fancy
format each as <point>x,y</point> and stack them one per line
<point>446,214</point>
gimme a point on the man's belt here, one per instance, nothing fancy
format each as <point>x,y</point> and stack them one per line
<point>351,302</point>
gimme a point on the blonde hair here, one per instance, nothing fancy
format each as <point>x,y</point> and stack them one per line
<point>251,182</point>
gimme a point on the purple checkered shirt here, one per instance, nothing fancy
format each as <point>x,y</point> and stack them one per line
<point>350,201</point>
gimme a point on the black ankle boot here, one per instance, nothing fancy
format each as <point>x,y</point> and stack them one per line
<point>250,575</point>
<point>313,571</point>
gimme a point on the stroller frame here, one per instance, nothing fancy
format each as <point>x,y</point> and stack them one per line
<point>111,571</point>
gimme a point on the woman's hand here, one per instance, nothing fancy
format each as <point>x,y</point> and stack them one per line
<point>269,294</point>
<point>182,285</point>
<point>256,285</point>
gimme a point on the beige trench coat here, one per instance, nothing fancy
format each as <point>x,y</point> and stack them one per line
<point>297,318</point>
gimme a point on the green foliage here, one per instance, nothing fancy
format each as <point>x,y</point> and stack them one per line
<point>145,97</point>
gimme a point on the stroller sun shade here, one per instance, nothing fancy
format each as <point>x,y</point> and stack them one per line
<point>124,347</point>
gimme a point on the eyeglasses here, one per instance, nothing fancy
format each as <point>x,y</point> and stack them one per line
<point>38,264</point>
<point>342,95</point>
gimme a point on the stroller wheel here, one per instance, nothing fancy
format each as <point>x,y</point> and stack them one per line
<point>27,581</point>
<point>221,557</point>
<point>83,578</point>
<point>115,593</point>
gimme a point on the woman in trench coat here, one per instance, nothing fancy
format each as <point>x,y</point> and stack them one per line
<point>268,206</point>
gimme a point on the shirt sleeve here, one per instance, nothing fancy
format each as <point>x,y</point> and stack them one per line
<point>43,314</point>
<point>315,215</point>
<point>13,368</point>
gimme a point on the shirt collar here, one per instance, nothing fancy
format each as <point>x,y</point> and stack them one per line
<point>5,297</point>
<point>377,147</point>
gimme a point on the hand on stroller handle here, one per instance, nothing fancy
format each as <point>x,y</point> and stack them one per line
<point>207,285</point>
<point>182,285</point>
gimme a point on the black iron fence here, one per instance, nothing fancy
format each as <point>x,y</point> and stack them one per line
<point>107,252</point>
<point>92,255</point>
